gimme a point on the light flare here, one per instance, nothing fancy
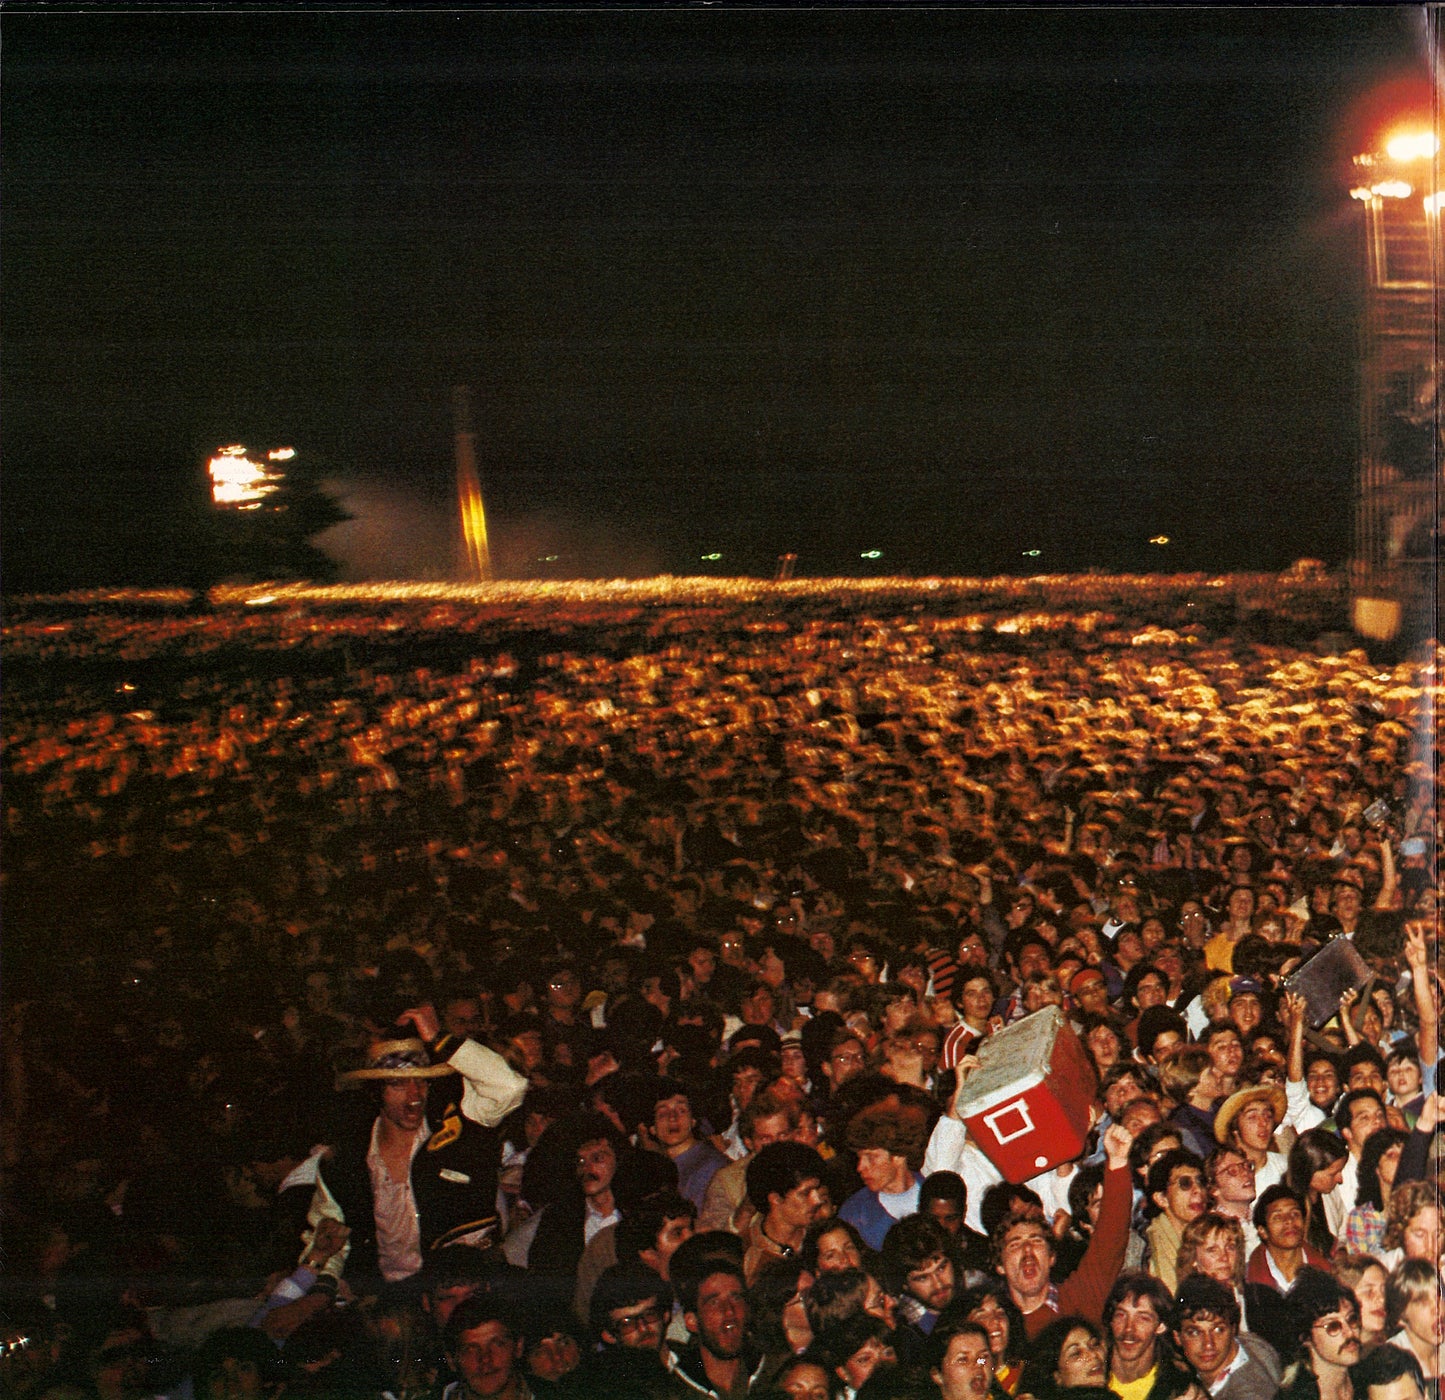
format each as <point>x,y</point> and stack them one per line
<point>1412,145</point>
<point>238,481</point>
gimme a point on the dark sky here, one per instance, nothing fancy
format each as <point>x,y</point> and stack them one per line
<point>948,284</point>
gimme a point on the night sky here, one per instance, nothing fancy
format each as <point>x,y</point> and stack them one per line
<point>948,284</point>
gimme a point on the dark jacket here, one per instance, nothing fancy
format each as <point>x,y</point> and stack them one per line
<point>453,1176</point>
<point>690,1381</point>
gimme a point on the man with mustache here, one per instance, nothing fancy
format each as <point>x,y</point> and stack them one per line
<point>1328,1321</point>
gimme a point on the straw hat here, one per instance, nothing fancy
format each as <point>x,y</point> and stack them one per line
<point>396,1059</point>
<point>1238,1101</point>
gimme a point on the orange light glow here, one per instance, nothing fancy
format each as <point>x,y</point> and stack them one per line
<point>238,481</point>
<point>1412,145</point>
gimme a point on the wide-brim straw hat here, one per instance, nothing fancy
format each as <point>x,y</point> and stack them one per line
<point>394,1060</point>
<point>1241,1099</point>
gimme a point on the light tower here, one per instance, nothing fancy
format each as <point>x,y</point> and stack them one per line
<point>1394,574</point>
<point>476,554</point>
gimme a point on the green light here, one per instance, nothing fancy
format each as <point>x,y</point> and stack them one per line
<point>1032,553</point>
<point>712,558</point>
<point>871,554</point>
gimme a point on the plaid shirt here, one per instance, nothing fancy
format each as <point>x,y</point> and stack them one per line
<point>1364,1230</point>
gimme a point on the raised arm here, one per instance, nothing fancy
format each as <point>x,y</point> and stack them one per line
<point>493,1089</point>
<point>1389,895</point>
<point>1415,1155</point>
<point>1347,1023</point>
<point>1087,1288</point>
<point>1300,1113</point>
<point>1423,982</point>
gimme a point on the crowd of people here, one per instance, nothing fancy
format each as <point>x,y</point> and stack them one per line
<point>579,995</point>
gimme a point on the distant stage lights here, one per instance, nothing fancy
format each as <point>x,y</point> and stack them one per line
<point>1412,145</point>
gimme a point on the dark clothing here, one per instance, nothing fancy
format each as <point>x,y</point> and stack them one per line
<point>1196,1128</point>
<point>448,1206</point>
<point>689,1379</point>
<point>453,1176</point>
<point>617,1373</point>
<point>1299,1384</point>
<point>560,1239</point>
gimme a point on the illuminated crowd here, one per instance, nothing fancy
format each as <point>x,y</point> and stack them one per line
<point>559,989</point>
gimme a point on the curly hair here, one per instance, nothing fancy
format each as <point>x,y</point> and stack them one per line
<point>1041,1369</point>
<point>1407,1200</point>
<point>901,1129</point>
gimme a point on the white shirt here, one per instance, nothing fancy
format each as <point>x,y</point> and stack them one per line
<point>950,1149</point>
<point>901,1203</point>
<point>1341,1201</point>
<point>1271,1173</point>
<point>398,1226</point>
<point>596,1222</point>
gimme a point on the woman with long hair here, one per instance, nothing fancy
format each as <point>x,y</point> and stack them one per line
<point>1366,1277</point>
<point>1364,1231</point>
<point>777,1302</point>
<point>832,1246</point>
<point>1316,1163</point>
<point>1104,1039</point>
<point>990,1305</point>
<point>1069,1358</point>
<point>1213,1245</point>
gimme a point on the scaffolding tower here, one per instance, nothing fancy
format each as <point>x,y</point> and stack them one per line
<point>1394,573</point>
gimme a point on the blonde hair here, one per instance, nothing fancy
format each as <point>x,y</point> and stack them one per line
<point>1180,1074</point>
<point>1215,995</point>
<point>1199,1231</point>
<point>1407,1200</point>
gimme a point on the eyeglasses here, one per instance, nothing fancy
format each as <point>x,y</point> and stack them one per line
<point>1334,1326</point>
<point>638,1321</point>
<point>1235,1169</point>
<point>1186,1183</point>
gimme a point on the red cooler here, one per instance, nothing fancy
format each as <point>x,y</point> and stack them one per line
<point>1027,1104</point>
